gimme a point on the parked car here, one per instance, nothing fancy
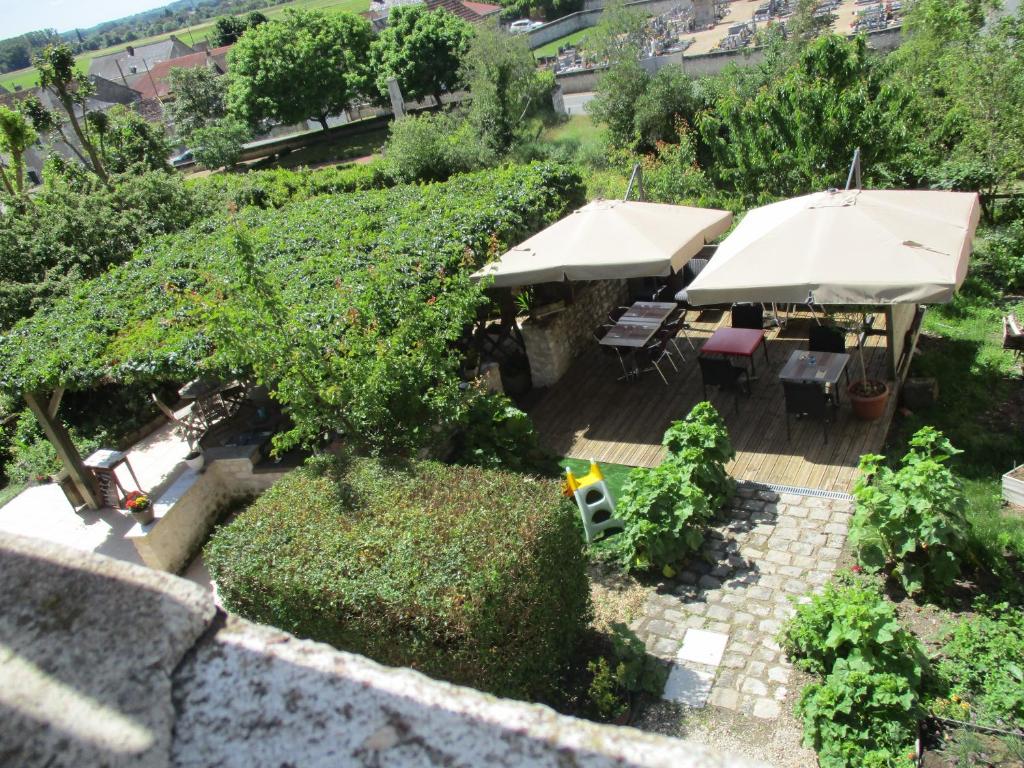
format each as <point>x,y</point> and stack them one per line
<point>185,158</point>
<point>522,26</point>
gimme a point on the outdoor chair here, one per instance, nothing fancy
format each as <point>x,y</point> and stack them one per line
<point>608,351</point>
<point>748,316</point>
<point>1013,336</point>
<point>647,358</point>
<point>806,399</point>
<point>719,372</point>
<point>669,330</point>
<point>693,268</point>
<point>190,426</point>
<point>825,338</point>
<point>617,313</point>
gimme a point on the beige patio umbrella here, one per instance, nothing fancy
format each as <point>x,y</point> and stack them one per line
<point>845,247</point>
<point>609,239</point>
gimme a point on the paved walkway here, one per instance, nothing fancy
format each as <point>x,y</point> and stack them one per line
<point>717,621</point>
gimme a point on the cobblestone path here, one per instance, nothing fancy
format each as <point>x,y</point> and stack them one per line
<point>717,621</point>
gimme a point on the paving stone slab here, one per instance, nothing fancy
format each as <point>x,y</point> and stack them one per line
<point>688,686</point>
<point>703,647</point>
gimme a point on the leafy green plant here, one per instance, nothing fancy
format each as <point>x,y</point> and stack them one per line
<point>474,576</point>
<point>981,666</point>
<point>851,619</point>
<point>666,509</point>
<point>631,672</point>
<point>497,434</point>
<point>603,693</point>
<point>911,521</point>
<point>860,717</point>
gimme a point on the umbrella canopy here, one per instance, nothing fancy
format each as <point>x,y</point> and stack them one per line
<point>845,247</point>
<point>609,239</point>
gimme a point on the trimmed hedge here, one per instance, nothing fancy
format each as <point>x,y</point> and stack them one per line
<point>474,576</point>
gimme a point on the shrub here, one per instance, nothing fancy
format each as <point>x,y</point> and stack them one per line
<point>219,143</point>
<point>911,521</point>
<point>982,664</point>
<point>475,576</point>
<point>851,620</point>
<point>434,146</point>
<point>999,258</point>
<point>860,718</point>
<point>632,671</point>
<point>496,434</point>
<point>667,509</point>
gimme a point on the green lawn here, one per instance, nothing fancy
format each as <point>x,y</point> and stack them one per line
<point>192,34</point>
<point>614,474</point>
<point>551,49</point>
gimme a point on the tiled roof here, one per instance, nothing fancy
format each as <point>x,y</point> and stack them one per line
<point>118,64</point>
<point>156,85</point>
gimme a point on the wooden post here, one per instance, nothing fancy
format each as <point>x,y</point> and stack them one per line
<point>58,435</point>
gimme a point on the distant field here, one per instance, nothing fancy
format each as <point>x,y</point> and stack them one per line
<point>551,48</point>
<point>194,34</point>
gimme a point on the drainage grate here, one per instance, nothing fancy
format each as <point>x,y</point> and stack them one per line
<point>814,492</point>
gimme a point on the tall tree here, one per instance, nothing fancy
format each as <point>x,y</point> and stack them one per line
<point>16,135</point>
<point>46,123</point>
<point>304,65</point>
<point>57,72</point>
<point>421,49</point>
<point>200,97</point>
<point>128,141</point>
<point>502,77</point>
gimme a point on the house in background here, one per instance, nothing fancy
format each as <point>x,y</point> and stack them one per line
<point>136,60</point>
<point>155,83</point>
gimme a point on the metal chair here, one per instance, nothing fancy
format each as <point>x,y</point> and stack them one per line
<point>617,313</point>
<point>648,357</point>
<point>824,338</point>
<point>806,399</point>
<point>609,351</point>
<point>719,372</point>
<point>748,316</point>
<point>670,330</point>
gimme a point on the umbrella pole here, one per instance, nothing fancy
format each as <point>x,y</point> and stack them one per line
<point>854,169</point>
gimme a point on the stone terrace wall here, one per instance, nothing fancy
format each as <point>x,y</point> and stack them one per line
<point>109,663</point>
<point>705,64</point>
<point>552,343</point>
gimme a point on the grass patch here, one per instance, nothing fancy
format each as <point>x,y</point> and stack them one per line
<point>8,492</point>
<point>579,129</point>
<point>614,474</point>
<point>551,49</point>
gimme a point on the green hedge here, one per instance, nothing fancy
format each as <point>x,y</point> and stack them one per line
<point>470,575</point>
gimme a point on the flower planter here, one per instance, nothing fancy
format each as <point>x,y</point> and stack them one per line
<point>143,516</point>
<point>868,406</point>
<point>195,460</point>
<point>1013,486</point>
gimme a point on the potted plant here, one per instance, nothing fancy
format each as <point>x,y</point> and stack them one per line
<point>195,459</point>
<point>141,507</point>
<point>868,397</point>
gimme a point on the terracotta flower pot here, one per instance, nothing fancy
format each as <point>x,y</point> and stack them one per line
<point>868,407</point>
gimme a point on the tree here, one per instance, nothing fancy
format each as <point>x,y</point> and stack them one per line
<point>615,100</point>
<point>502,77</point>
<point>219,143</point>
<point>670,96</point>
<point>227,29</point>
<point>200,97</point>
<point>128,141</point>
<point>305,65</point>
<point>16,135</point>
<point>421,49</point>
<point>57,72</point>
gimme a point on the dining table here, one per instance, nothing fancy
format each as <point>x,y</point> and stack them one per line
<point>648,313</point>
<point>736,342</point>
<point>823,368</point>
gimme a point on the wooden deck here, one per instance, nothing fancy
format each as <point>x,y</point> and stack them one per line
<point>589,414</point>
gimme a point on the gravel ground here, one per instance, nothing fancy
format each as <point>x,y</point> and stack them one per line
<point>773,742</point>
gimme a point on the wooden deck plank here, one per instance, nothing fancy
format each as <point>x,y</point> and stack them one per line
<point>589,414</point>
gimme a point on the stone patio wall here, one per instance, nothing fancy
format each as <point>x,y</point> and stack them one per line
<point>109,663</point>
<point>553,342</point>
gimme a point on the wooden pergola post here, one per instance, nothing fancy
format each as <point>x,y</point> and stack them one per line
<point>44,408</point>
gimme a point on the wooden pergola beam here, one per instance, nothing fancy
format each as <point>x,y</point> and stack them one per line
<point>55,431</point>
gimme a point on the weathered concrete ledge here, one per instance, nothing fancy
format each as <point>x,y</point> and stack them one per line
<point>104,663</point>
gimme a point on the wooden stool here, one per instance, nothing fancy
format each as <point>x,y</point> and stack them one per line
<point>102,464</point>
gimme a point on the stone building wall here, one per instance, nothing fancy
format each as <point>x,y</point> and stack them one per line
<point>553,342</point>
<point>113,664</point>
